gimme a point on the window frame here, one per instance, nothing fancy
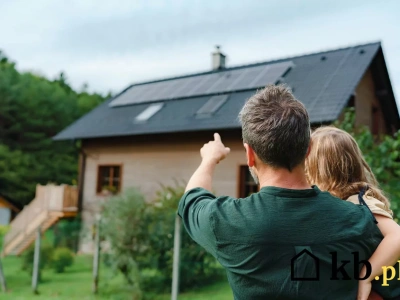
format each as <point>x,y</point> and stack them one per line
<point>243,170</point>
<point>99,166</point>
<point>149,112</point>
<point>205,111</point>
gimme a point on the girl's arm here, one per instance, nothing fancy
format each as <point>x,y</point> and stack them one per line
<point>388,251</point>
<point>387,254</point>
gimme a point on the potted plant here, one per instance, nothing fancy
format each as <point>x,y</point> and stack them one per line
<point>108,190</point>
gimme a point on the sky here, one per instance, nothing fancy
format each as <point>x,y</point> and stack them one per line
<point>109,45</point>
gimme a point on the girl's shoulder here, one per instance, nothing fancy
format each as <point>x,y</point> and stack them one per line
<point>376,206</point>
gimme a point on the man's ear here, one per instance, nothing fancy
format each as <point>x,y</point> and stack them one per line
<point>250,155</point>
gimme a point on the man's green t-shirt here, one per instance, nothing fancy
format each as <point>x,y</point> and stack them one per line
<point>283,244</point>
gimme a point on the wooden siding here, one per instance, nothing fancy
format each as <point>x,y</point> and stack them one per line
<point>365,101</point>
<point>148,162</point>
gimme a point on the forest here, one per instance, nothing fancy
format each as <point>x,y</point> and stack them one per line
<point>33,110</point>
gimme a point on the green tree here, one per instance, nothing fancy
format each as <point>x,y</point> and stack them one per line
<point>34,109</point>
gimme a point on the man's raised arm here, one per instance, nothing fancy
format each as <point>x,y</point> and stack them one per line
<point>212,153</point>
<point>196,206</point>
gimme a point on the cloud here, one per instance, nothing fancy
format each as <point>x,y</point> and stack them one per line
<point>112,44</point>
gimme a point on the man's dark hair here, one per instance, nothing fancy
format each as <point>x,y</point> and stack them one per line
<point>276,126</point>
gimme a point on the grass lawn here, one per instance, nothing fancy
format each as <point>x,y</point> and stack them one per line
<point>218,291</point>
<point>76,283</point>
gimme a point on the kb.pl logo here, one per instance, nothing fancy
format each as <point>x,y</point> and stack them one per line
<point>338,272</point>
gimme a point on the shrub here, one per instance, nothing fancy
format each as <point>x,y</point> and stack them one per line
<point>199,267</point>
<point>66,233</point>
<point>3,231</point>
<point>141,240</point>
<point>46,254</point>
<point>125,220</point>
<point>151,280</point>
<point>62,258</point>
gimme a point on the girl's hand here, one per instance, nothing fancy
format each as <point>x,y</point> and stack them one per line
<point>364,290</point>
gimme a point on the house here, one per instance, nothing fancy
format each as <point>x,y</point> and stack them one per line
<point>8,210</point>
<point>151,132</point>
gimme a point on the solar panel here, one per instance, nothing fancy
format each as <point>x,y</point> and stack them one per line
<point>207,84</point>
<point>188,84</point>
<point>148,112</point>
<point>228,80</point>
<point>247,77</point>
<point>271,75</point>
<point>127,96</point>
<point>174,84</point>
<point>212,105</point>
<point>157,91</point>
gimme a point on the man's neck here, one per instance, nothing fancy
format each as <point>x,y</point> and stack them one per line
<point>295,180</point>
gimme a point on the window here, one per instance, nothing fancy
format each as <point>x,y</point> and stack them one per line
<point>148,112</point>
<point>247,185</point>
<point>211,106</point>
<point>109,179</point>
<point>352,101</point>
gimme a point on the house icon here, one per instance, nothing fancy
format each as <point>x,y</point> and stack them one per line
<point>304,266</point>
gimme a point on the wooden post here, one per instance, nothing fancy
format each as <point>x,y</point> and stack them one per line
<point>2,277</point>
<point>177,250</point>
<point>96,257</point>
<point>36,262</point>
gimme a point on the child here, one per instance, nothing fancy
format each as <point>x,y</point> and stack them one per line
<point>335,164</point>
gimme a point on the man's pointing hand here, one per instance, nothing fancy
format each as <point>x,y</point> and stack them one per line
<point>214,151</point>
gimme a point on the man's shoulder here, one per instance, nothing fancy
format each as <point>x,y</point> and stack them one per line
<point>202,193</point>
<point>203,196</point>
<point>335,202</point>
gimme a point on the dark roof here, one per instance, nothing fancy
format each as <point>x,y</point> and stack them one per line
<point>16,206</point>
<point>323,81</point>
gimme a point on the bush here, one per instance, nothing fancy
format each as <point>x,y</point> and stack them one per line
<point>62,258</point>
<point>125,220</point>
<point>199,267</point>
<point>151,280</point>
<point>3,231</point>
<point>141,239</point>
<point>66,233</point>
<point>46,254</point>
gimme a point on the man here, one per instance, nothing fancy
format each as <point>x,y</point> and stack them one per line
<point>289,240</point>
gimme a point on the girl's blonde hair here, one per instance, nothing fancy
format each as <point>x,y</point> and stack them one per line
<point>335,164</point>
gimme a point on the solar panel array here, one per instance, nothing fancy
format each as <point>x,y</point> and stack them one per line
<point>207,84</point>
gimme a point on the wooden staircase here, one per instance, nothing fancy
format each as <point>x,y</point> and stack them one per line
<point>50,205</point>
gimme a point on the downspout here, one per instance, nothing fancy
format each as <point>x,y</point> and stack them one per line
<point>81,180</point>
<point>81,185</point>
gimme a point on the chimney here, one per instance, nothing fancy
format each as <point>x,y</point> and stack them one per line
<point>218,59</point>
